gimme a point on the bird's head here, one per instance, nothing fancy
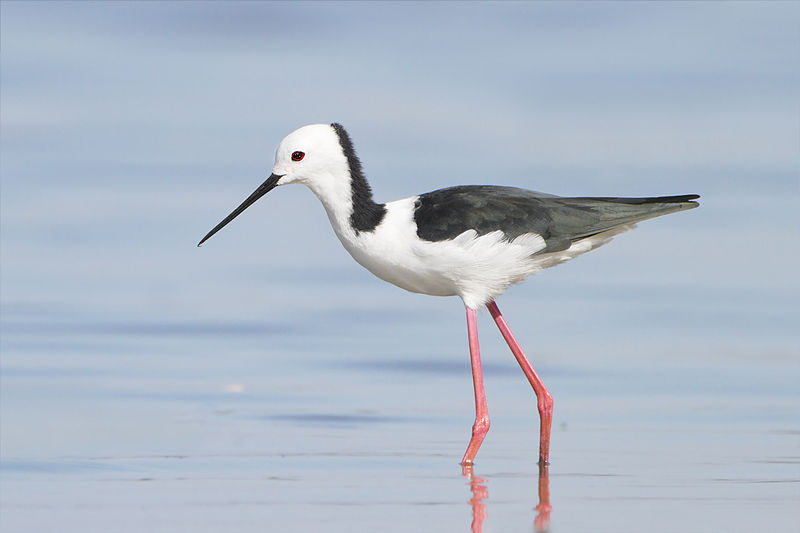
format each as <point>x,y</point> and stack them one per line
<point>312,155</point>
<point>308,155</point>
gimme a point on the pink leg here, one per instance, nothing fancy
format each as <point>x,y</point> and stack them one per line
<point>481,426</point>
<point>544,399</point>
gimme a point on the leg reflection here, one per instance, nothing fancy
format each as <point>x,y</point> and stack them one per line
<point>480,493</point>
<point>542,520</point>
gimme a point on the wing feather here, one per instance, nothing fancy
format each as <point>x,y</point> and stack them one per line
<point>446,213</point>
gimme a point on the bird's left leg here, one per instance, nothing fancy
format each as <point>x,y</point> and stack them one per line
<point>543,398</point>
<point>481,426</point>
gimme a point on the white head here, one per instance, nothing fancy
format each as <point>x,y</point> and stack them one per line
<point>313,155</point>
<point>309,154</point>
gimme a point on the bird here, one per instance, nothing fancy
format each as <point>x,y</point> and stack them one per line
<point>470,241</point>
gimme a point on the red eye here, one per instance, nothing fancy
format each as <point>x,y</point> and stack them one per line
<point>297,156</point>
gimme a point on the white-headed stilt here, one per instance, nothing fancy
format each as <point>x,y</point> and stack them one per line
<point>471,241</point>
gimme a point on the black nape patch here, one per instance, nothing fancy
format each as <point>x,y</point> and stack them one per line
<point>366,213</point>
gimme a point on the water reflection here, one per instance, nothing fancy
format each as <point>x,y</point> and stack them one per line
<point>480,493</point>
<point>542,521</point>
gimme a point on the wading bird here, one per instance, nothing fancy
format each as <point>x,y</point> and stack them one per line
<point>471,241</point>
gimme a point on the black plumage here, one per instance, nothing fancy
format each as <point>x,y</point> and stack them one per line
<point>446,213</point>
<point>367,214</point>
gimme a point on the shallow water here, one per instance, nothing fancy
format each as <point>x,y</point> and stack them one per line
<point>131,426</point>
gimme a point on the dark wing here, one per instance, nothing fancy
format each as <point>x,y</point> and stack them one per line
<point>446,213</point>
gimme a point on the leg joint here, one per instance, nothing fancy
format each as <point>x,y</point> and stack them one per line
<point>545,402</point>
<point>481,425</point>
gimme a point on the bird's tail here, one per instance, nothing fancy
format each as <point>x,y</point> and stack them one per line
<point>610,212</point>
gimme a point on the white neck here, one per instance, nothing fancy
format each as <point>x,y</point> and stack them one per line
<point>336,195</point>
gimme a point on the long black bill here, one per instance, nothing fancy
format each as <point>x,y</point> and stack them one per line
<point>263,189</point>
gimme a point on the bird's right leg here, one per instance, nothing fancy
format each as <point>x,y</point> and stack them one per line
<point>543,397</point>
<point>481,426</point>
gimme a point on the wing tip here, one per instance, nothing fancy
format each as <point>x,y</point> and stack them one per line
<point>674,199</point>
<point>684,201</point>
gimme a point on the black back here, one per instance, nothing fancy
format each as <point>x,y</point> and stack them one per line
<point>446,213</point>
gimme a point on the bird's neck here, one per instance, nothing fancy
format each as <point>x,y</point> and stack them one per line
<point>365,213</point>
<point>347,199</point>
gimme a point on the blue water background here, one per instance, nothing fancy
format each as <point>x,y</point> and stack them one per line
<point>267,382</point>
